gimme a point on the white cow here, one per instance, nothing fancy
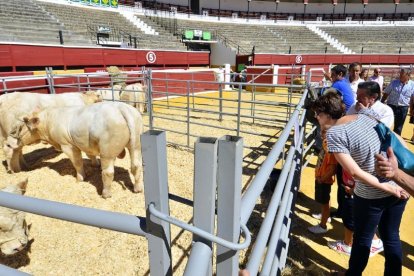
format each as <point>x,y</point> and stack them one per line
<point>132,94</point>
<point>103,129</point>
<point>14,106</point>
<point>13,228</point>
<point>135,95</point>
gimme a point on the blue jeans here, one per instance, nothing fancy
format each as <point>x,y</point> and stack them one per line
<point>368,213</point>
<point>400,113</point>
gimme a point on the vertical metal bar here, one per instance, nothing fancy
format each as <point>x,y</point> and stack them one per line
<point>5,86</point>
<point>192,93</point>
<point>156,191</point>
<point>188,113</point>
<point>79,86</point>
<point>230,155</point>
<point>51,83</point>
<point>238,110</point>
<point>88,80</point>
<point>253,105</point>
<point>168,98</point>
<point>220,102</point>
<point>149,108</point>
<point>205,184</point>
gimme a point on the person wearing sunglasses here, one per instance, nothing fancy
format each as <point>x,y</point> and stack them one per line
<point>377,77</point>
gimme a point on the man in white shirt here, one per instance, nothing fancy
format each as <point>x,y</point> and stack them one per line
<point>366,98</point>
<point>354,70</point>
<point>377,77</point>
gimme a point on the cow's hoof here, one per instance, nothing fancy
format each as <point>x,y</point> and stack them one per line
<point>79,177</point>
<point>106,194</point>
<point>138,189</point>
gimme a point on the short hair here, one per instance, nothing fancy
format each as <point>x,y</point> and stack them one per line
<point>331,104</point>
<point>372,88</point>
<point>353,65</point>
<point>339,69</point>
<point>377,69</point>
<point>406,71</point>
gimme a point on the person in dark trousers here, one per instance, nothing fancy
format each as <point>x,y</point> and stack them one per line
<point>398,95</point>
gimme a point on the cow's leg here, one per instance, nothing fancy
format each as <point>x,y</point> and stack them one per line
<point>136,169</point>
<point>22,162</point>
<point>94,161</point>
<point>107,165</point>
<point>12,159</point>
<point>75,156</point>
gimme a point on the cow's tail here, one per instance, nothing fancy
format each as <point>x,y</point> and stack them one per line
<point>131,122</point>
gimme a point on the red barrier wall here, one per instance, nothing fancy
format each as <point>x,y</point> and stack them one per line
<point>16,55</point>
<point>267,59</point>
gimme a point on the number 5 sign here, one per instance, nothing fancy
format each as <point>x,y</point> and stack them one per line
<point>151,57</point>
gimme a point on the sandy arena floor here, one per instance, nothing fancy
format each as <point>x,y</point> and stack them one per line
<point>65,248</point>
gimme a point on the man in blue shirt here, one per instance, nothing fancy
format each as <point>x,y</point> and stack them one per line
<point>340,83</point>
<point>398,95</point>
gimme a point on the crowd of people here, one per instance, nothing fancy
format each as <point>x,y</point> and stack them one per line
<point>368,181</point>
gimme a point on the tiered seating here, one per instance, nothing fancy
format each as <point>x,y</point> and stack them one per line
<point>264,38</point>
<point>87,21</point>
<point>25,21</point>
<point>372,39</point>
<point>164,39</point>
<point>301,40</point>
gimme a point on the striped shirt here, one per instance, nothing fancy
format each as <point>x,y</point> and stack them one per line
<point>399,94</point>
<point>360,140</point>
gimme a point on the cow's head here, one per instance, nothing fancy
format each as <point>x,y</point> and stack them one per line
<point>91,97</point>
<point>13,228</point>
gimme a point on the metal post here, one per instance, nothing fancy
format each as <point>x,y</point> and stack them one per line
<point>188,113</point>
<point>5,86</point>
<point>238,110</point>
<point>277,5</point>
<point>88,80</point>
<point>51,83</point>
<point>61,37</point>
<point>156,192</point>
<point>79,85</point>
<point>205,184</point>
<point>230,155</point>
<point>150,111</point>
<point>219,9</point>
<point>168,98</point>
<point>220,103</point>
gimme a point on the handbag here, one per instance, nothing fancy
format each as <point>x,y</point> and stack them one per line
<point>388,139</point>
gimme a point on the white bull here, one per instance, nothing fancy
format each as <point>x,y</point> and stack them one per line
<point>132,94</point>
<point>13,228</point>
<point>14,106</point>
<point>103,129</point>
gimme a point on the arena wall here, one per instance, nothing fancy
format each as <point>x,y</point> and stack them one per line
<point>18,56</point>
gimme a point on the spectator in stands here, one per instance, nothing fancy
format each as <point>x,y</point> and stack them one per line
<point>353,77</point>
<point>377,77</point>
<point>388,168</point>
<point>364,74</point>
<point>377,201</point>
<point>324,176</point>
<point>399,94</point>
<point>368,101</point>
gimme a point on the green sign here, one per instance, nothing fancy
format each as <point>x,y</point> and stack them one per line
<point>102,3</point>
